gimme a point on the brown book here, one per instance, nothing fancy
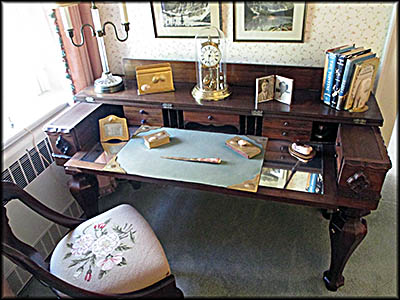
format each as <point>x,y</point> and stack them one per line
<point>362,83</point>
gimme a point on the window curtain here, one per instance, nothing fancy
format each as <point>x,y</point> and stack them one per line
<point>82,64</point>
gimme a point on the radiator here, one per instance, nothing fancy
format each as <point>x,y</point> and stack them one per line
<point>41,177</point>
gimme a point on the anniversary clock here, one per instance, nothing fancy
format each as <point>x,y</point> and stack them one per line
<point>210,65</point>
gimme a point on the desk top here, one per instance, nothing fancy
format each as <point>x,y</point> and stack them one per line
<point>329,198</point>
<point>306,103</point>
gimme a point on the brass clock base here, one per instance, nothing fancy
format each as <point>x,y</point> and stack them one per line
<point>214,95</point>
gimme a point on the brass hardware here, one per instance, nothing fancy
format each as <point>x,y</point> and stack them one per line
<point>282,148</point>
<point>285,123</point>
<point>155,79</point>
<point>210,117</point>
<point>284,133</point>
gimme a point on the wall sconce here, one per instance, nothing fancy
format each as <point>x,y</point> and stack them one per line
<point>107,83</point>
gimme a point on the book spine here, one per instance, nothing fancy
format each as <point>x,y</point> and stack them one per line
<point>324,76</point>
<point>312,183</point>
<point>344,85</point>
<point>329,78</point>
<point>338,79</point>
<point>348,104</point>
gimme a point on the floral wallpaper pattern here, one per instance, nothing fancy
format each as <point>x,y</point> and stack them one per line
<point>328,24</point>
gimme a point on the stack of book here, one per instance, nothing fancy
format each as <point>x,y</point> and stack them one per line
<point>349,75</point>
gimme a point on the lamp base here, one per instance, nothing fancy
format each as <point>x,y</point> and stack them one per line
<point>108,83</point>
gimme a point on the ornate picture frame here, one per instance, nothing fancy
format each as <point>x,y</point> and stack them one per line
<point>184,19</point>
<point>269,21</point>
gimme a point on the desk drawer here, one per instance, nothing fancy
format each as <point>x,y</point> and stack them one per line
<point>280,157</point>
<point>278,146</point>
<point>287,124</point>
<point>211,118</point>
<point>143,115</point>
<point>284,134</point>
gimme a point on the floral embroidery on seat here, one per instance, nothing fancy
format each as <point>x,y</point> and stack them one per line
<point>100,249</point>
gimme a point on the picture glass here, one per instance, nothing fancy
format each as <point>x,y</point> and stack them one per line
<point>183,19</point>
<point>268,21</point>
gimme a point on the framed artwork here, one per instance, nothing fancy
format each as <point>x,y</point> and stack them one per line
<point>183,19</point>
<point>268,21</point>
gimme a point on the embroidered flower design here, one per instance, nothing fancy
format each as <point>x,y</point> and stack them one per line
<point>99,249</point>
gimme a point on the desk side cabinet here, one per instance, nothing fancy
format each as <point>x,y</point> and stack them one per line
<point>362,161</point>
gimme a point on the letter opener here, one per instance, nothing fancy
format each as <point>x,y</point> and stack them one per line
<point>210,160</point>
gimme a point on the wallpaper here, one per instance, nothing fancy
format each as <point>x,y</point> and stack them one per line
<point>327,25</point>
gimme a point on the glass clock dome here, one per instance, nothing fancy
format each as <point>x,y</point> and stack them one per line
<point>210,46</point>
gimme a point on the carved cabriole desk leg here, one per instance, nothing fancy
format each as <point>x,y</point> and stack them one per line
<point>347,229</point>
<point>85,189</point>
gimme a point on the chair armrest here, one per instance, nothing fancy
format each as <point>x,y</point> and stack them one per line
<point>12,191</point>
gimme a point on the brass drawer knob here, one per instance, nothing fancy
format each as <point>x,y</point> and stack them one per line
<point>143,121</point>
<point>282,148</point>
<point>285,123</point>
<point>210,117</point>
<point>155,79</point>
<point>143,112</point>
<point>284,133</point>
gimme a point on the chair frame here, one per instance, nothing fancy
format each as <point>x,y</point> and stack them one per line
<point>32,261</point>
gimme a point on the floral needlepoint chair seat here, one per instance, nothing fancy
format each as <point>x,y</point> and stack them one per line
<point>114,252</point>
<point>114,255</point>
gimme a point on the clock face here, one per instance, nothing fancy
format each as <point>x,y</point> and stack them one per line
<point>210,55</point>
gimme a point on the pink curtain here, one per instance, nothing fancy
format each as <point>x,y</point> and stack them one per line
<point>83,63</point>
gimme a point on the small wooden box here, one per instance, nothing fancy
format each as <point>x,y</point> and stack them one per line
<point>155,78</point>
<point>362,161</point>
<point>77,129</point>
<point>156,139</point>
<point>248,150</point>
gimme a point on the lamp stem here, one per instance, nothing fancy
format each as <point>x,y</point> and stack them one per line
<point>103,55</point>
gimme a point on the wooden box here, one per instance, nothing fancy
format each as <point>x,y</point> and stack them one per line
<point>156,139</point>
<point>77,129</point>
<point>154,78</point>
<point>362,161</point>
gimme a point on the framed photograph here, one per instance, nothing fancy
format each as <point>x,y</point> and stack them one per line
<point>283,89</point>
<point>268,21</point>
<point>274,87</point>
<point>265,88</point>
<point>183,19</point>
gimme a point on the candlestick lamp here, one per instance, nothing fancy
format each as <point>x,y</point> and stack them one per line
<point>107,83</point>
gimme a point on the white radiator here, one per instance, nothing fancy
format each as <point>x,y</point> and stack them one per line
<point>41,177</point>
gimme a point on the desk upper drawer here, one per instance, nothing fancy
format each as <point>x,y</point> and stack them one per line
<point>286,123</point>
<point>142,115</point>
<point>211,118</point>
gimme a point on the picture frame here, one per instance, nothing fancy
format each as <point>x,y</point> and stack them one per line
<point>269,21</point>
<point>113,128</point>
<point>184,19</point>
<point>265,88</point>
<point>273,87</point>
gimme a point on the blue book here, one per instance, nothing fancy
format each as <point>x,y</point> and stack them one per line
<point>348,75</point>
<point>326,66</point>
<point>339,70</point>
<point>330,73</point>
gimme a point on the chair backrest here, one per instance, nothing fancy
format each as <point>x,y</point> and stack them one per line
<point>32,261</point>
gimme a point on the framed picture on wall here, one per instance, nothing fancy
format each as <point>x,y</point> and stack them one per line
<point>268,21</point>
<point>183,19</point>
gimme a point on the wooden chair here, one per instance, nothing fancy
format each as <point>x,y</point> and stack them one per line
<point>114,254</point>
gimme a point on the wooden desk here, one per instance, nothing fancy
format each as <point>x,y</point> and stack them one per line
<point>307,120</point>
